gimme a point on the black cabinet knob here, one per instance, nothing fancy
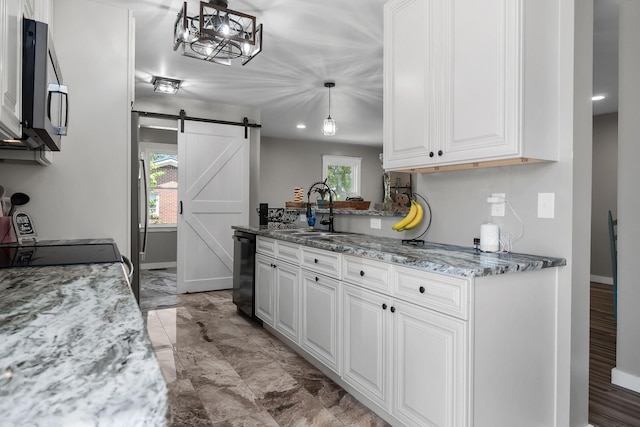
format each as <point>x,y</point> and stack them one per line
<point>361,273</point>
<point>421,289</point>
<point>317,279</point>
<point>440,153</point>
<point>384,306</point>
<point>431,154</point>
<point>393,309</point>
<point>315,260</point>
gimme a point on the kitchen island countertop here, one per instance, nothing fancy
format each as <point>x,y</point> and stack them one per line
<point>435,257</point>
<point>75,350</point>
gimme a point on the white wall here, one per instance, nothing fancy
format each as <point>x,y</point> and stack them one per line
<point>84,194</point>
<point>627,370</point>
<point>286,164</point>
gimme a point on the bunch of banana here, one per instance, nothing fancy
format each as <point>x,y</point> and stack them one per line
<point>413,218</point>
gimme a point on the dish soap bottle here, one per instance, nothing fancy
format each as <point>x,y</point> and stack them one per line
<point>311,217</point>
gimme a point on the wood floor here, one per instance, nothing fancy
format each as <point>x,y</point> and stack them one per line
<point>609,405</point>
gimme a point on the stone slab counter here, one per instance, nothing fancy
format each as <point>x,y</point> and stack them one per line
<point>435,257</point>
<point>74,350</point>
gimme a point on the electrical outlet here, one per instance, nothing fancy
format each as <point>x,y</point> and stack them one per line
<point>497,209</point>
<point>376,223</point>
<point>546,205</point>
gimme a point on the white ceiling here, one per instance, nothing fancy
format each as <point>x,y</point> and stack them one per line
<point>305,43</point>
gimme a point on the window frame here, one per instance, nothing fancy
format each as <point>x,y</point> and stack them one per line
<point>356,169</point>
<point>146,148</point>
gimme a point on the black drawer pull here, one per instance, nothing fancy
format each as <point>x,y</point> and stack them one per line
<point>315,260</point>
<point>421,289</point>
<point>393,309</point>
<point>317,278</point>
<point>384,306</point>
<point>361,273</point>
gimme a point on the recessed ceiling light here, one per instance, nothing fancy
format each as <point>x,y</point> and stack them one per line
<point>597,97</point>
<point>301,126</point>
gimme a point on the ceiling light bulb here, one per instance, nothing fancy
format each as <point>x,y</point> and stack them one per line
<point>597,97</point>
<point>301,126</point>
<point>329,127</point>
<point>209,50</point>
<point>246,48</point>
<point>225,29</point>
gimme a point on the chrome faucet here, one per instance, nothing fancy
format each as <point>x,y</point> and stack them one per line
<point>322,187</point>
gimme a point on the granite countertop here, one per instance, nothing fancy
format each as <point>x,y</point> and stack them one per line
<point>75,351</point>
<point>435,257</point>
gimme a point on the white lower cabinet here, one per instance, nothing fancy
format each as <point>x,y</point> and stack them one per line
<point>419,348</point>
<point>265,289</point>
<point>287,286</point>
<point>277,295</point>
<point>429,360</point>
<point>320,318</point>
<point>408,360</point>
<point>366,344</point>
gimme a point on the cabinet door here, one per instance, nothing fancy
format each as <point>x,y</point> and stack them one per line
<point>366,343</point>
<point>10,68</point>
<point>430,367</point>
<point>265,289</point>
<point>485,77</point>
<point>409,77</point>
<point>287,283</point>
<point>320,320</point>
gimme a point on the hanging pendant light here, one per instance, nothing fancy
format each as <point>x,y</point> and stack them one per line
<point>216,33</point>
<point>329,126</point>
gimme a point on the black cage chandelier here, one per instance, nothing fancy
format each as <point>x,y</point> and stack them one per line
<point>217,34</point>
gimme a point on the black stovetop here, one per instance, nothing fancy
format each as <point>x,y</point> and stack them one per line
<point>49,255</point>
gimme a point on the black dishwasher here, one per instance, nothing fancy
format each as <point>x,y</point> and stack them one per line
<point>244,262</point>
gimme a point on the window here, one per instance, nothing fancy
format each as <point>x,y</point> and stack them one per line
<point>154,206</point>
<point>162,177</point>
<point>342,174</point>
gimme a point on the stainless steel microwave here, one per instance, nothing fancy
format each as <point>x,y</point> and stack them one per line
<point>45,103</point>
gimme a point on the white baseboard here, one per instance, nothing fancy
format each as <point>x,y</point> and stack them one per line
<point>156,265</point>
<point>602,279</point>
<point>625,380</point>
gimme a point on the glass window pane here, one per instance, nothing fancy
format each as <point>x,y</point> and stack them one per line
<point>163,183</point>
<point>339,178</point>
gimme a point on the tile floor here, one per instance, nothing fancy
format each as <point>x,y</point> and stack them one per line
<point>224,370</point>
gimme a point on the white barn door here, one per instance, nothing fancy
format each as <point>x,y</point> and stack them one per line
<point>214,193</point>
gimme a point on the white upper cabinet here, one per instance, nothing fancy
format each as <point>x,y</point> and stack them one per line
<point>10,69</point>
<point>469,82</point>
<point>11,14</point>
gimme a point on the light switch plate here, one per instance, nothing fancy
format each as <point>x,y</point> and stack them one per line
<point>376,223</point>
<point>546,205</point>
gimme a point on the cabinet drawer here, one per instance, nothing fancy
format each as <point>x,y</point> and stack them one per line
<point>289,252</point>
<point>266,246</point>
<point>368,273</point>
<point>445,294</point>
<point>324,262</point>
